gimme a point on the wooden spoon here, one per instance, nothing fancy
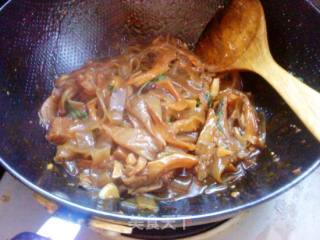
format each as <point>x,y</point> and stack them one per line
<point>238,40</point>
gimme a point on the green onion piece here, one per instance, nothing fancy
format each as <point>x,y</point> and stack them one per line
<point>159,78</point>
<point>146,203</point>
<point>220,116</point>
<point>111,87</point>
<point>154,80</point>
<point>209,99</point>
<point>75,113</point>
<point>198,102</point>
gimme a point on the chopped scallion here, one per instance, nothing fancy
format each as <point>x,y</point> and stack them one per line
<point>75,113</point>
<point>159,78</point>
<point>209,99</point>
<point>111,87</point>
<point>220,116</point>
<point>154,80</point>
<point>198,102</point>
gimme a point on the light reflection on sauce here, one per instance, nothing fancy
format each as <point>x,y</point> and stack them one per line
<point>184,185</point>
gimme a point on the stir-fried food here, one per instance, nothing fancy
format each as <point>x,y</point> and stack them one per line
<point>153,119</point>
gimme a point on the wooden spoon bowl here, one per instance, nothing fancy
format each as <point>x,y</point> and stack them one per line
<point>237,39</point>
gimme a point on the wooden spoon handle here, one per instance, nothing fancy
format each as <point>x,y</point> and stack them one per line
<point>302,99</point>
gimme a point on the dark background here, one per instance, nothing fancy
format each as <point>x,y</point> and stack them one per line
<point>1,169</point>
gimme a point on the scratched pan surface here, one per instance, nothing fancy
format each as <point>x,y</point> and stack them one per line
<point>40,40</point>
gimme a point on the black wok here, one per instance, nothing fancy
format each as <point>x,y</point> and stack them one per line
<point>40,40</point>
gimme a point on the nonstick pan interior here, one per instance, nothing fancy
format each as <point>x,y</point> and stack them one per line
<point>39,40</point>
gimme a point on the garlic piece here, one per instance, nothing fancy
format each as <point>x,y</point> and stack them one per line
<point>109,191</point>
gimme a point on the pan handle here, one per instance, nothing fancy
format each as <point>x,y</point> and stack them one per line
<point>64,223</point>
<point>28,236</point>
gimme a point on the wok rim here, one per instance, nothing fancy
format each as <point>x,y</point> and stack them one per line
<point>205,218</point>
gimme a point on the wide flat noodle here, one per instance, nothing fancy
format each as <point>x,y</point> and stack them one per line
<point>138,122</point>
